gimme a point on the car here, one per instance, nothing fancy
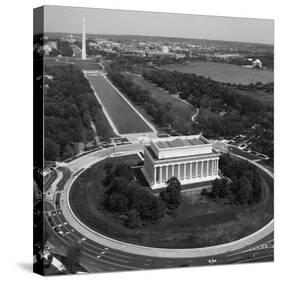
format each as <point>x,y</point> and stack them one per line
<point>243,146</point>
<point>184,265</point>
<point>253,255</point>
<point>212,261</point>
<point>60,233</point>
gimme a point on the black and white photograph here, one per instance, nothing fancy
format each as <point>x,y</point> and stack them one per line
<point>153,140</point>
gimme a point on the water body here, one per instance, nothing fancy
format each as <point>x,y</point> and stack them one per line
<point>224,72</point>
<point>125,119</point>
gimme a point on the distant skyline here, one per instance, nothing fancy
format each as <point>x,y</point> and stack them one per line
<point>121,22</point>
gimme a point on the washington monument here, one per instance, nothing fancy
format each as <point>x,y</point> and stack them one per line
<point>83,40</point>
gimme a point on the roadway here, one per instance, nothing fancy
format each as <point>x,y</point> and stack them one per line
<point>98,257</point>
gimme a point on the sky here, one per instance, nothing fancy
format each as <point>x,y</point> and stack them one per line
<point>102,21</point>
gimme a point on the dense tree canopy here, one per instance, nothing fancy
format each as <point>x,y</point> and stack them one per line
<point>163,114</point>
<point>242,185</point>
<point>235,113</point>
<point>171,196</point>
<point>69,109</point>
<point>137,204</point>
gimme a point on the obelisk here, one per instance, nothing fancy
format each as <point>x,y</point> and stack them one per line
<point>83,40</point>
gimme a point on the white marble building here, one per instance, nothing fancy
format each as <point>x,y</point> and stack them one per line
<point>192,159</point>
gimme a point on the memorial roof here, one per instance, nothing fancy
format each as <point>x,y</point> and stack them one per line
<point>169,159</point>
<point>179,142</point>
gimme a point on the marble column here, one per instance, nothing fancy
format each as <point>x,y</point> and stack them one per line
<point>217,167</point>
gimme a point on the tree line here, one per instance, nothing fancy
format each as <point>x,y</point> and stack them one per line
<point>63,48</point>
<point>133,204</point>
<point>242,185</point>
<point>163,114</point>
<point>233,112</point>
<point>69,109</point>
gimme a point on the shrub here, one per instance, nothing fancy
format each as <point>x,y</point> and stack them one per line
<point>133,219</point>
<point>118,203</point>
<point>172,195</point>
<point>123,170</point>
<point>204,192</point>
<point>108,165</point>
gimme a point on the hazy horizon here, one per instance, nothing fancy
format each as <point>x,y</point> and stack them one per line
<point>115,22</point>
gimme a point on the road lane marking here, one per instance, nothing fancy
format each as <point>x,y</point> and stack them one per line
<point>255,258</point>
<point>111,263</point>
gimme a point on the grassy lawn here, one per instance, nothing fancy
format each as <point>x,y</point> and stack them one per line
<point>198,222</point>
<point>206,114</point>
<point>185,111</point>
<point>224,72</point>
<point>86,64</point>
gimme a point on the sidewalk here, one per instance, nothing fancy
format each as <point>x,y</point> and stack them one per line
<point>50,195</point>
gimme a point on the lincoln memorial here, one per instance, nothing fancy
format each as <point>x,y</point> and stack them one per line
<point>192,159</point>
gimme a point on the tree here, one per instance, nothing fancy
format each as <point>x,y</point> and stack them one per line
<point>66,98</point>
<point>175,197</point>
<point>87,119</point>
<point>72,259</point>
<point>133,219</point>
<point>216,187</point>
<point>123,170</point>
<point>108,179</point>
<point>53,109</point>
<point>172,194</point>
<point>118,203</point>
<point>144,202</point>
<point>224,189</point>
<point>54,53</point>
<point>204,192</point>
<point>257,187</point>
<point>118,185</point>
<point>245,193</point>
<point>67,152</point>
<point>220,188</point>
<point>173,181</point>
<point>51,149</point>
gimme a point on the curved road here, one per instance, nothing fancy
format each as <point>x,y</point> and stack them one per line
<point>100,253</point>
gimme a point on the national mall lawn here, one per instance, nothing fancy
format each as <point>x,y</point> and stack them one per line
<point>199,221</point>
